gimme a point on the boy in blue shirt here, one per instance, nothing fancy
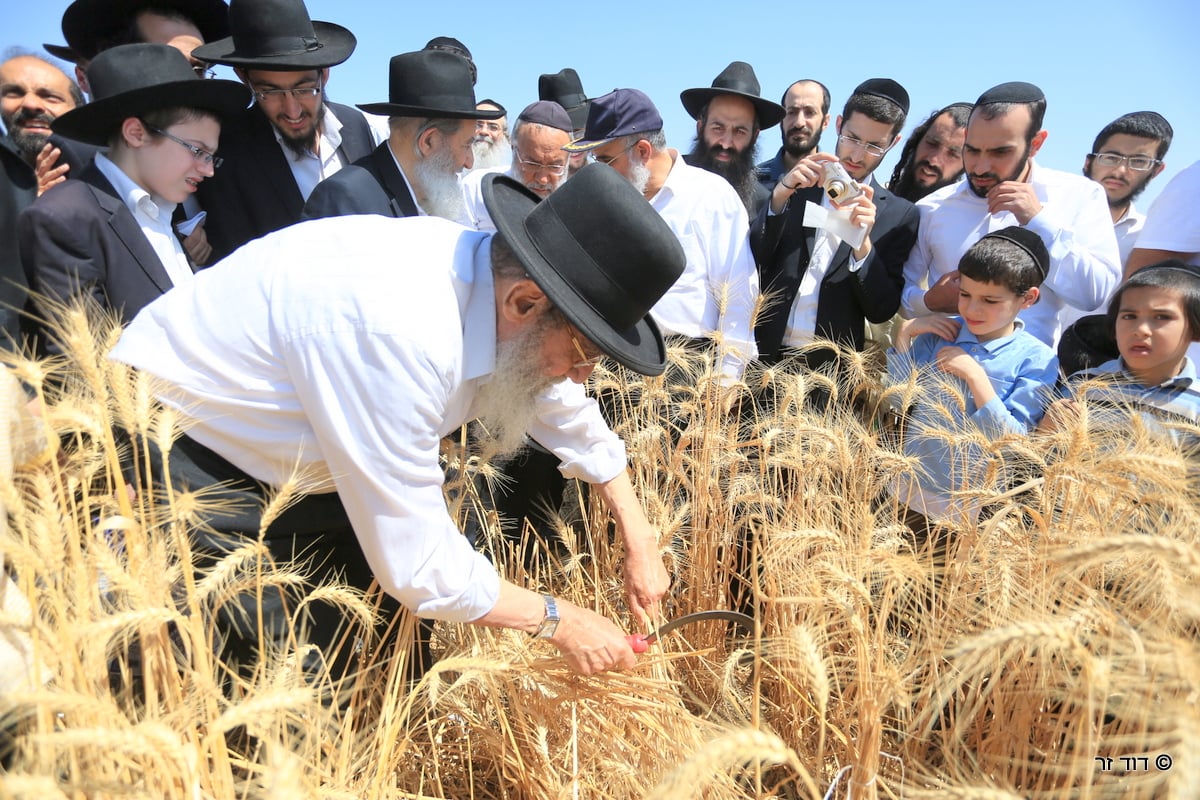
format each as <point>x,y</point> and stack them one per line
<point>980,376</point>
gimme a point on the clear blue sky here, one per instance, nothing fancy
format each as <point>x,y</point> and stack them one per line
<point>1095,61</point>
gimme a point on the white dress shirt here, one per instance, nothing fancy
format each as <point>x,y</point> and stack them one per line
<point>353,374</point>
<point>1127,229</point>
<point>1172,223</point>
<point>715,296</point>
<point>308,168</point>
<point>153,216</point>
<point>472,191</point>
<point>1074,223</point>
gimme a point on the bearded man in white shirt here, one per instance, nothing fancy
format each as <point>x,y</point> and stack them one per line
<point>1005,187</point>
<point>713,302</point>
<point>354,375</point>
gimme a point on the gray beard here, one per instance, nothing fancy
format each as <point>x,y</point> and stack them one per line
<point>505,405</point>
<point>490,154</point>
<point>639,174</point>
<point>438,184</point>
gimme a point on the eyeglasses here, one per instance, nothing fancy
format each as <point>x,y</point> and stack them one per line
<point>198,153</point>
<point>302,93</point>
<point>610,159</point>
<point>487,125</point>
<point>204,71</point>
<point>556,170</point>
<point>584,362</point>
<point>873,149</point>
<point>1136,163</point>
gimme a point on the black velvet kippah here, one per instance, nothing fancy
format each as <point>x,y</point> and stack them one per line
<point>1011,92</point>
<point>886,88</point>
<point>1028,241</point>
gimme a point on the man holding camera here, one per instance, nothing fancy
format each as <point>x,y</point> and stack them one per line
<point>823,286</point>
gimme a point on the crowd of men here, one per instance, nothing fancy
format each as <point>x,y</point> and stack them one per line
<point>513,252</point>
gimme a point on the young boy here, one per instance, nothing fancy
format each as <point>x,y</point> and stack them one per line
<point>980,375</point>
<point>1154,317</point>
<point>109,233</point>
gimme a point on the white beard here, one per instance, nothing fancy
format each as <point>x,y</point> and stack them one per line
<point>505,404</point>
<point>436,178</point>
<point>490,154</point>
<point>639,173</point>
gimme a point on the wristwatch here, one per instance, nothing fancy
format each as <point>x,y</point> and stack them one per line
<point>550,621</point>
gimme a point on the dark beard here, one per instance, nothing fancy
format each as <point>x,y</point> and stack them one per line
<point>798,151</point>
<point>1014,176</point>
<point>28,144</point>
<point>740,172</point>
<point>306,145</point>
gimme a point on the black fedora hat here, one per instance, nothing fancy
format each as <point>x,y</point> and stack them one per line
<point>737,79</point>
<point>430,83</point>
<point>600,252</point>
<point>565,88</point>
<point>278,35</point>
<point>133,79</point>
<point>87,24</point>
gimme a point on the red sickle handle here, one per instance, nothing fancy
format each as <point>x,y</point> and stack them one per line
<point>638,642</point>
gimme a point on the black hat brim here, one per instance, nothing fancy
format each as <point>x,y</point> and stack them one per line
<point>62,52</point>
<point>641,348</point>
<point>336,45</point>
<point>95,122</point>
<point>769,114</point>
<point>402,110</point>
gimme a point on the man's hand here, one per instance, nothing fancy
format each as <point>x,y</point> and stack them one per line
<point>1060,414</point>
<point>807,172</point>
<point>47,169</point>
<point>944,327</point>
<point>196,245</point>
<point>589,642</point>
<point>943,295</point>
<point>1016,197</point>
<point>862,214</point>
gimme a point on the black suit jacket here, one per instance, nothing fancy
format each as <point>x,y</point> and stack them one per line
<point>782,245</point>
<point>254,193</point>
<point>80,238</point>
<point>371,185</point>
<point>18,190</point>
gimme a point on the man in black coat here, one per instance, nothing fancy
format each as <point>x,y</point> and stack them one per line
<point>291,138</point>
<point>431,112</point>
<point>820,286</point>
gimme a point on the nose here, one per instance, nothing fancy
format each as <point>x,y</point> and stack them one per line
<point>291,106</point>
<point>32,103</point>
<point>206,168</point>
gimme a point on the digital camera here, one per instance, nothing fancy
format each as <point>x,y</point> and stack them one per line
<point>838,184</point>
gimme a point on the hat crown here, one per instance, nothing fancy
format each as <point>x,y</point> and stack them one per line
<point>563,87</point>
<point>738,77</point>
<point>621,112</point>
<point>434,79</point>
<point>272,27</point>
<point>129,67</point>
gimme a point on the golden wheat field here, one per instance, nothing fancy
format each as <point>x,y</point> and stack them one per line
<point>1055,656</point>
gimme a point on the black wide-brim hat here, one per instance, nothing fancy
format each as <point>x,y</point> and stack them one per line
<point>278,35</point>
<point>739,80</point>
<point>134,79</point>
<point>565,88</point>
<point>600,252</point>
<point>87,23</point>
<point>430,83</point>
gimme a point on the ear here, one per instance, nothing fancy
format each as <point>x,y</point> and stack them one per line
<point>521,301</point>
<point>1087,166</point>
<point>1039,139</point>
<point>700,129</point>
<point>837,126</point>
<point>825,122</point>
<point>241,74</point>
<point>895,142</point>
<point>426,144</point>
<point>1158,169</point>
<point>324,77</point>
<point>1031,297</point>
<point>133,133</point>
<point>81,79</point>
